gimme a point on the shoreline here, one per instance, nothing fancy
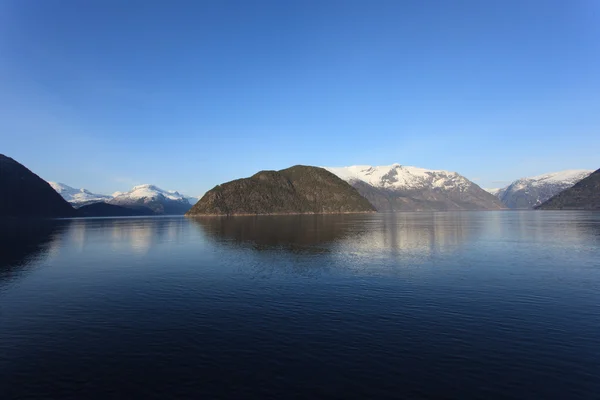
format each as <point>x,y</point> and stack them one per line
<point>279,214</point>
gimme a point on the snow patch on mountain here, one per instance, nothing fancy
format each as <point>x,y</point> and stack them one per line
<point>78,196</point>
<point>158,200</point>
<point>493,191</point>
<point>401,177</point>
<point>533,191</point>
<point>193,200</point>
<point>149,191</point>
<point>405,188</point>
<point>149,196</point>
<point>568,177</point>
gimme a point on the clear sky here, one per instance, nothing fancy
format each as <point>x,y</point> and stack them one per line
<point>187,94</point>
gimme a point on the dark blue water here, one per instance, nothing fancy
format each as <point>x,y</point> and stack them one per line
<point>412,305</point>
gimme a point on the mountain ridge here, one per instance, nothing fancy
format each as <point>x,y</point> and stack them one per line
<point>140,199</point>
<point>406,188</point>
<point>148,196</point>
<point>77,197</point>
<point>583,195</point>
<point>529,192</point>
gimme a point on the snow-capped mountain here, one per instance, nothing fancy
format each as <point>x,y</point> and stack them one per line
<point>193,200</point>
<point>583,195</point>
<point>78,197</point>
<point>493,191</point>
<point>396,188</point>
<point>533,191</point>
<point>141,198</point>
<point>154,198</point>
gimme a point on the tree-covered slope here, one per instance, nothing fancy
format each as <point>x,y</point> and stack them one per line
<point>296,190</point>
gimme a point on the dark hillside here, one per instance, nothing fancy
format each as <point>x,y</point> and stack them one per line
<point>24,194</point>
<point>584,195</point>
<point>296,190</point>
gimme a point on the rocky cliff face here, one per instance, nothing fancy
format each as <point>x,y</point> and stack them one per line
<point>584,195</point>
<point>403,188</point>
<point>24,194</point>
<point>296,190</point>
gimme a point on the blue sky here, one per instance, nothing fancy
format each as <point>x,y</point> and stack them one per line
<point>188,94</point>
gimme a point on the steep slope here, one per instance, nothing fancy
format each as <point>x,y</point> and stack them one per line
<point>110,210</point>
<point>296,190</point>
<point>24,194</point>
<point>78,197</point>
<point>533,191</point>
<point>584,195</point>
<point>403,188</point>
<point>150,197</point>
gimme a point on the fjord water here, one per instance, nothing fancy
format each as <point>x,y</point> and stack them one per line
<point>415,305</point>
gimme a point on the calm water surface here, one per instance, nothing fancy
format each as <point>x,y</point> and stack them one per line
<point>409,305</point>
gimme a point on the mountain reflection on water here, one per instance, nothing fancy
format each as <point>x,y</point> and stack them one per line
<point>24,242</point>
<point>394,232</point>
<point>137,235</point>
<point>407,305</point>
<point>282,232</point>
<point>404,237</point>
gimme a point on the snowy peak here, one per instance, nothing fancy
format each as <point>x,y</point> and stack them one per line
<point>140,197</point>
<point>568,177</point>
<point>399,177</point>
<point>150,192</point>
<point>584,195</point>
<point>493,191</point>
<point>146,186</point>
<point>399,187</point>
<point>77,196</point>
<point>193,200</point>
<point>152,197</point>
<point>62,188</point>
<point>533,191</point>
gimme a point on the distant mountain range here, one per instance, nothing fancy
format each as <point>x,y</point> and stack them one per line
<point>389,188</point>
<point>151,197</point>
<point>583,195</point>
<point>78,197</point>
<point>403,188</point>
<point>102,209</point>
<point>301,189</point>
<point>142,199</point>
<point>529,192</point>
<point>493,191</point>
